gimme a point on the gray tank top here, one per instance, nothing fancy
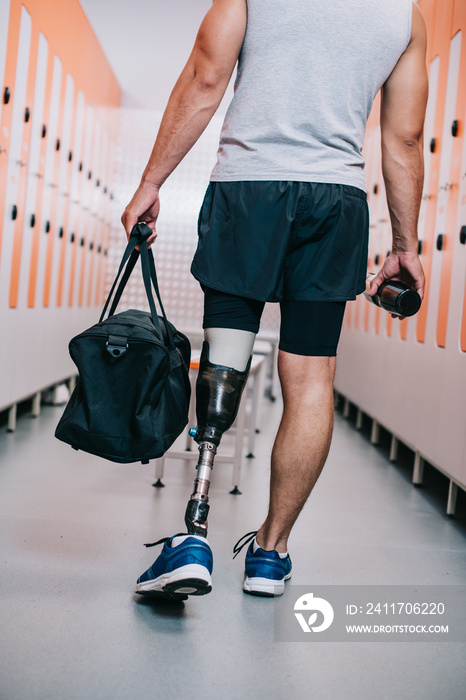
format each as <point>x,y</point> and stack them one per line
<point>308,73</point>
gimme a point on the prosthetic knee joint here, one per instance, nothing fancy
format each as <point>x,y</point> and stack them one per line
<point>218,396</point>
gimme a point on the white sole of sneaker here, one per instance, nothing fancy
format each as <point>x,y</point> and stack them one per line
<point>192,579</point>
<point>264,586</point>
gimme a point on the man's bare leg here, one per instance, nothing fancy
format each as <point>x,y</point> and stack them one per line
<point>302,442</point>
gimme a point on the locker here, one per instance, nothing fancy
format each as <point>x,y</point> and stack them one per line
<point>17,159</point>
<point>51,183</point>
<point>428,370</point>
<point>429,131</point>
<point>34,189</point>
<point>22,224</point>
<point>59,194</point>
<point>442,33</point>
<point>457,317</point>
<point>452,396</point>
<point>42,113</point>
<point>454,199</point>
<point>375,195</point>
<point>74,238</point>
<point>4,20</point>
<point>29,249</point>
<point>100,212</point>
<point>86,218</point>
<point>91,244</point>
<point>100,280</point>
<point>372,316</point>
<point>78,198</point>
<point>10,59</point>
<point>95,167</point>
<point>86,223</point>
<point>459,23</point>
<point>75,186</point>
<point>448,197</point>
<point>47,227</point>
<point>384,245</point>
<point>109,208</point>
<point>65,185</point>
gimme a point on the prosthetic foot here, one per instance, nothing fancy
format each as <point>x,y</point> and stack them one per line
<point>218,396</point>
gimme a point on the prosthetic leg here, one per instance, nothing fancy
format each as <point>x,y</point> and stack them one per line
<point>218,395</point>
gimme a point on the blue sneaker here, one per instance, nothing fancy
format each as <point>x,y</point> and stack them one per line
<point>183,568</point>
<point>265,571</point>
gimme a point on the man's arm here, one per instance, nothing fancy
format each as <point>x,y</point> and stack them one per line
<point>194,100</point>
<point>404,99</point>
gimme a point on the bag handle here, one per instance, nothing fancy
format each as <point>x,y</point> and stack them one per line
<point>139,235</point>
<point>126,275</point>
<point>149,275</point>
<point>131,254</point>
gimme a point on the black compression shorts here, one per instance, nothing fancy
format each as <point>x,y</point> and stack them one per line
<point>306,328</point>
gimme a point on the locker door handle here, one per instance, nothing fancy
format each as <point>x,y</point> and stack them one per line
<point>33,220</point>
<point>455,127</point>
<point>419,248</point>
<point>14,212</point>
<point>463,235</point>
<point>44,131</point>
<point>433,145</point>
<point>440,241</point>
<point>27,114</point>
<point>6,95</point>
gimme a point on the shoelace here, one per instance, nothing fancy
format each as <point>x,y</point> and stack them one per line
<point>164,539</point>
<point>240,544</point>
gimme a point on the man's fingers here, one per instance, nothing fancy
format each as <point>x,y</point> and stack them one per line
<point>151,240</point>
<point>129,221</point>
<point>420,288</point>
<point>376,282</point>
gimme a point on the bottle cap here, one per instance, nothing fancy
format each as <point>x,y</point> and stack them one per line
<point>408,303</point>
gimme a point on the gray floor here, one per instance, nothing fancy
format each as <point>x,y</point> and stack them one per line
<point>72,529</point>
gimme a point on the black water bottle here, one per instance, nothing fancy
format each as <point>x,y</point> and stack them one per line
<point>396,298</point>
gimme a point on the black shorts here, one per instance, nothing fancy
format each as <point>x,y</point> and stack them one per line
<point>306,327</point>
<point>283,241</point>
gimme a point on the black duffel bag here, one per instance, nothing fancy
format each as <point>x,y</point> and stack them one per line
<point>131,399</point>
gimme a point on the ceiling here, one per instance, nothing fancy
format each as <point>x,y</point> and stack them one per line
<point>147,43</point>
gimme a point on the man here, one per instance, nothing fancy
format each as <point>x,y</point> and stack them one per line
<point>285,219</point>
